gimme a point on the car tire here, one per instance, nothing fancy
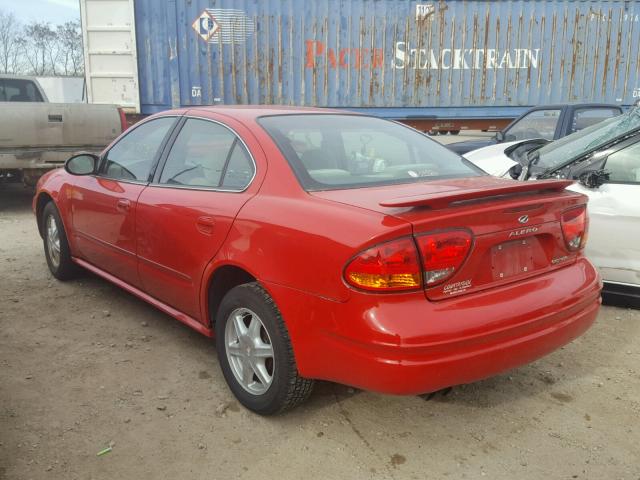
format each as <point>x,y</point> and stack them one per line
<point>56,246</point>
<point>248,325</point>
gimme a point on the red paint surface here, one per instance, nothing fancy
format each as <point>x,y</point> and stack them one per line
<point>167,243</point>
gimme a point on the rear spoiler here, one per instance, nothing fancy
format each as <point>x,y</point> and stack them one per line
<point>444,199</point>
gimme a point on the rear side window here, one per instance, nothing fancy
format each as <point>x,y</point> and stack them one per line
<point>19,90</point>
<point>207,154</point>
<point>239,171</point>
<point>624,165</point>
<point>347,151</point>
<point>133,156</point>
<point>585,117</point>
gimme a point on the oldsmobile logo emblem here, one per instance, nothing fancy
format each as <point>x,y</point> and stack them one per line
<point>523,219</point>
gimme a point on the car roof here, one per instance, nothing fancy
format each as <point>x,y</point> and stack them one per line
<point>573,105</point>
<point>10,76</point>
<point>251,112</point>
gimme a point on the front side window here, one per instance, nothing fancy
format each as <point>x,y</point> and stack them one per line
<point>623,166</point>
<point>133,156</point>
<point>329,151</point>
<point>207,154</point>
<point>537,124</point>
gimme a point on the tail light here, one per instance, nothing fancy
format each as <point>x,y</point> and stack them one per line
<point>123,119</point>
<point>391,266</point>
<point>575,223</point>
<point>443,253</point>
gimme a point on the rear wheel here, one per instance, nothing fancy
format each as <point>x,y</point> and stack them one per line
<point>56,247</point>
<point>255,352</point>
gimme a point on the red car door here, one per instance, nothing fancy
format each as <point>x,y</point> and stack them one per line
<point>183,217</point>
<point>104,205</point>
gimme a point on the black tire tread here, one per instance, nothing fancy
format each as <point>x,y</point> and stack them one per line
<point>298,388</point>
<point>291,388</point>
<point>67,270</point>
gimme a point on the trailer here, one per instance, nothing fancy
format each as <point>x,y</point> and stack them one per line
<point>439,66</point>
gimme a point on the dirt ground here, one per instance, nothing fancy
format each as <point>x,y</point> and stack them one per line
<point>84,365</point>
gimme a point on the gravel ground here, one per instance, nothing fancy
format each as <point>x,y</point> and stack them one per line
<point>84,366</point>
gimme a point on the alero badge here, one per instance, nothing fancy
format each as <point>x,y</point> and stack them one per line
<point>206,25</point>
<point>523,231</point>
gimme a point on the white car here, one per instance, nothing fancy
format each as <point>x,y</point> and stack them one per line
<point>605,161</point>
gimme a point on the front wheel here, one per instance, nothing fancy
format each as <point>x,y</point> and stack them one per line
<point>56,246</point>
<point>255,352</point>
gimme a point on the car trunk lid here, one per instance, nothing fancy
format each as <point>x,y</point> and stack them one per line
<point>516,226</point>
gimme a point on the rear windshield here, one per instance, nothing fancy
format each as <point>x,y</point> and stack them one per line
<point>348,151</point>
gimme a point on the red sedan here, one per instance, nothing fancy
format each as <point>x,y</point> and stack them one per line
<point>316,244</point>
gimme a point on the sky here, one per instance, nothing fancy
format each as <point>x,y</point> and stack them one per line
<point>54,11</point>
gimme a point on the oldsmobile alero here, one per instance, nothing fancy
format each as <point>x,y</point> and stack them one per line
<point>317,244</point>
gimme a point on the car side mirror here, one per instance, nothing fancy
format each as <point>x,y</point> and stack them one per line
<point>500,136</point>
<point>515,171</point>
<point>82,164</point>
<point>593,178</point>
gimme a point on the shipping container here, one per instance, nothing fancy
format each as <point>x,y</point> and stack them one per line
<point>452,63</point>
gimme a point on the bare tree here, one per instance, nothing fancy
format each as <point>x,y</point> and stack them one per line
<point>39,48</point>
<point>42,50</point>
<point>70,45</point>
<point>9,43</point>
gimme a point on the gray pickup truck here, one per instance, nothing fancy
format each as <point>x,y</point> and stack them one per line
<point>36,136</point>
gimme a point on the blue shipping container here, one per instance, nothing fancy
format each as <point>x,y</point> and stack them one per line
<point>399,59</point>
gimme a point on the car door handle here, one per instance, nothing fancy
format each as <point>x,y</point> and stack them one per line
<point>205,225</point>
<point>123,205</point>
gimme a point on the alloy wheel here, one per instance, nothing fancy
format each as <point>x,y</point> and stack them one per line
<point>53,240</point>
<point>249,351</point>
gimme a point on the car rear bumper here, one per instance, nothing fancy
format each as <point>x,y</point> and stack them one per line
<point>404,344</point>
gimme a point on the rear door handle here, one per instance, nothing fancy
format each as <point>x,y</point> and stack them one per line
<point>205,225</point>
<point>123,205</point>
